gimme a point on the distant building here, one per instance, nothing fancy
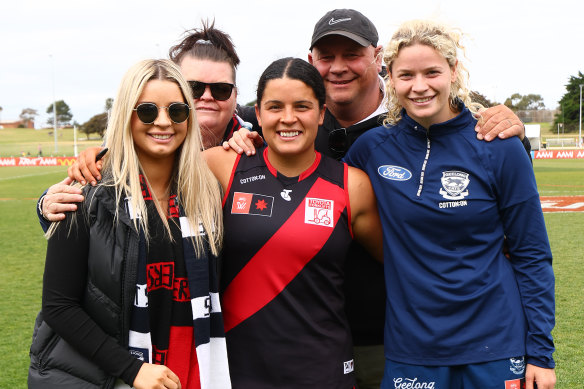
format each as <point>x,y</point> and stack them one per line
<point>17,124</point>
<point>537,115</point>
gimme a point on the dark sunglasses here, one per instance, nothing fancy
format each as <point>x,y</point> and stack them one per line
<point>337,140</point>
<point>219,90</point>
<point>148,112</point>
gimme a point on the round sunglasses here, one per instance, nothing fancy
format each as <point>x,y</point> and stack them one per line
<point>148,112</point>
<point>219,90</point>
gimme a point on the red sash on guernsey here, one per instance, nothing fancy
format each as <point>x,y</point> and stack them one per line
<point>240,300</point>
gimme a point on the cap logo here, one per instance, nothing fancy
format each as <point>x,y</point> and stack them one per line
<point>333,21</point>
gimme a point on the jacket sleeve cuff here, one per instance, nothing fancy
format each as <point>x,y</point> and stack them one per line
<point>129,375</point>
<point>546,363</point>
<point>45,224</point>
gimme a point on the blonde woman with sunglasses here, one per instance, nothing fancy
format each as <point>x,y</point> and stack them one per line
<point>130,289</point>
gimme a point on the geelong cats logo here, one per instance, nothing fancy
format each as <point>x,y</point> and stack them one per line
<point>454,185</point>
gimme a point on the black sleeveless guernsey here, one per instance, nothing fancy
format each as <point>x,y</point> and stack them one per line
<point>286,239</point>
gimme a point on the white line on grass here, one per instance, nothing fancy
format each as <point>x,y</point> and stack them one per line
<point>28,175</point>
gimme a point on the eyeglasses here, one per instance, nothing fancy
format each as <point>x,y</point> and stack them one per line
<point>337,140</point>
<point>148,112</point>
<point>219,90</point>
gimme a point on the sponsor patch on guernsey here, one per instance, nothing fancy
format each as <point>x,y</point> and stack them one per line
<point>252,204</point>
<point>395,173</point>
<point>319,212</point>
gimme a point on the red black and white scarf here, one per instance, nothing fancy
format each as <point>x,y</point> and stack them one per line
<point>171,285</point>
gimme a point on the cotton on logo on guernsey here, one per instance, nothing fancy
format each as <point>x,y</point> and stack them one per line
<point>412,383</point>
<point>319,212</point>
<point>394,173</point>
<point>252,179</point>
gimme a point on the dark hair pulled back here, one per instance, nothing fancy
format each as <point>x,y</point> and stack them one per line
<point>295,69</point>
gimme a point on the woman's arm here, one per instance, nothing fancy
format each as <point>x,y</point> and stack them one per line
<point>364,215</point>
<point>530,255</point>
<point>64,285</point>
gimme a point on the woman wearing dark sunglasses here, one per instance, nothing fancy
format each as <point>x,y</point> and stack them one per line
<point>130,290</point>
<point>208,62</point>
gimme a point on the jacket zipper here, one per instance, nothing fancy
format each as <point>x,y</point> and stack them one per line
<point>423,172</point>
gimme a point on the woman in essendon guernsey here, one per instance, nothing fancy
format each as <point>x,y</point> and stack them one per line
<point>289,215</point>
<point>130,287</point>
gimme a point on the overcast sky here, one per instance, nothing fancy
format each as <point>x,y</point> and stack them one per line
<point>77,51</point>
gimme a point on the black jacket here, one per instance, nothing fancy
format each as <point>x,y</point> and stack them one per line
<point>108,299</point>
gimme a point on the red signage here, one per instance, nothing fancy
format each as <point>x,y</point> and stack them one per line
<point>37,161</point>
<point>558,154</point>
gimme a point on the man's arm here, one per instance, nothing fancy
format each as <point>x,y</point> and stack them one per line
<point>61,197</point>
<point>57,200</point>
<point>499,121</point>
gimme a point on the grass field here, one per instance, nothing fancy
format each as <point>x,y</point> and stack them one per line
<point>15,141</point>
<point>22,250</point>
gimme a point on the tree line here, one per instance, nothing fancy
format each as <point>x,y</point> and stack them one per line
<point>95,125</point>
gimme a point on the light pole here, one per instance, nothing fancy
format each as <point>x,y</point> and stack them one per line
<point>54,106</point>
<point>580,128</point>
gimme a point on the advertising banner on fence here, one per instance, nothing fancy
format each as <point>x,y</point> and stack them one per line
<point>37,161</point>
<point>558,154</point>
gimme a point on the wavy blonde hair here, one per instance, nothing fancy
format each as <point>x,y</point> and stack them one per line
<point>197,188</point>
<point>443,39</point>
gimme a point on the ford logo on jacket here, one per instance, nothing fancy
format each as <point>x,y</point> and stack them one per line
<point>395,173</point>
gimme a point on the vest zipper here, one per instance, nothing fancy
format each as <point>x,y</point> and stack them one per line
<point>423,172</point>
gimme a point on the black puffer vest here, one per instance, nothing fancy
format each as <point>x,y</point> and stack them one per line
<point>109,296</point>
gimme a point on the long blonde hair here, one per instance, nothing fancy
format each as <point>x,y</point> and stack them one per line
<point>197,188</point>
<point>443,39</point>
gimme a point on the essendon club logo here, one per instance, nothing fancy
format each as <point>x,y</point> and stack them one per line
<point>319,212</point>
<point>252,204</point>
